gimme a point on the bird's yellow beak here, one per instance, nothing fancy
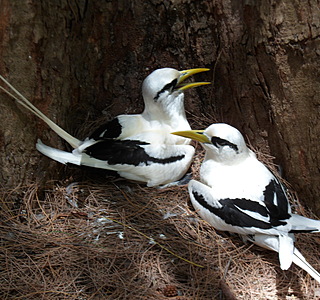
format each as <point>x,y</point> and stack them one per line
<point>196,135</point>
<point>186,74</point>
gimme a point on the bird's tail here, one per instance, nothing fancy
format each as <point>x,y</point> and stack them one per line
<point>59,155</point>
<point>272,242</point>
<point>74,142</point>
<point>303,224</point>
<point>300,261</point>
<point>75,157</point>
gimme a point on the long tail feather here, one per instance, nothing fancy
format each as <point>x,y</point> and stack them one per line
<point>272,243</point>
<point>74,142</point>
<point>300,261</point>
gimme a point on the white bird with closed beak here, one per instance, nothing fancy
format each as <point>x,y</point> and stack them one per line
<point>238,193</point>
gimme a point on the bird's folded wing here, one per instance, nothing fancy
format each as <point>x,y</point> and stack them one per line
<point>132,152</point>
<point>239,215</point>
<point>111,130</point>
<point>303,224</point>
<point>276,201</point>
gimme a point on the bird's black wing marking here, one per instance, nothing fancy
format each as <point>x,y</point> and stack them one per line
<point>275,192</point>
<point>128,152</point>
<point>303,230</point>
<point>110,130</point>
<point>232,212</point>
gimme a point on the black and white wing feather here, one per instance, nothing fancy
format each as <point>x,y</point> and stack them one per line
<point>138,147</point>
<point>109,130</point>
<point>132,159</point>
<point>239,215</point>
<point>238,193</point>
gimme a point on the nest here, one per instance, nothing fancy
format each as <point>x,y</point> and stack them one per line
<point>79,239</point>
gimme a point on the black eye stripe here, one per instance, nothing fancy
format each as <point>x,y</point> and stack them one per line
<point>167,87</point>
<point>216,141</point>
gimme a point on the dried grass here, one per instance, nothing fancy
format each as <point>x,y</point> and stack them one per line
<point>119,240</point>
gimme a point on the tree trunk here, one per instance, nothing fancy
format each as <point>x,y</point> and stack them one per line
<point>80,60</point>
<point>267,84</point>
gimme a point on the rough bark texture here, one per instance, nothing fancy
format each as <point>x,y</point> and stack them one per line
<point>270,63</point>
<point>80,60</point>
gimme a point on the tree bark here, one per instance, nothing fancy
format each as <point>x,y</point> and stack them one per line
<point>270,62</point>
<point>80,60</point>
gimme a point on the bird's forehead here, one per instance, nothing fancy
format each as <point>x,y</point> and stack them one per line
<point>162,76</point>
<point>223,131</point>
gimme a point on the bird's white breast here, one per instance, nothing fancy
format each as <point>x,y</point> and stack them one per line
<point>137,127</point>
<point>246,179</point>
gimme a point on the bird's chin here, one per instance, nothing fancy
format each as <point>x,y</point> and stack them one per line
<point>176,93</point>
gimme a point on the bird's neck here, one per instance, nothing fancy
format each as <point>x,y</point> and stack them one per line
<point>171,113</point>
<point>228,158</point>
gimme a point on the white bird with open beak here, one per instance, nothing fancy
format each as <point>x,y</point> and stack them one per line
<point>138,147</point>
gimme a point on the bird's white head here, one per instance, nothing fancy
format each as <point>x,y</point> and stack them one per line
<point>223,143</point>
<point>163,90</point>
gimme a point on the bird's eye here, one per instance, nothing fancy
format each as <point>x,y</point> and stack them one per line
<point>219,142</point>
<point>168,87</point>
<point>171,85</point>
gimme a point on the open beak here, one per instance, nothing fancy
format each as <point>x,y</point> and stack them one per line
<point>186,74</point>
<point>196,135</point>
